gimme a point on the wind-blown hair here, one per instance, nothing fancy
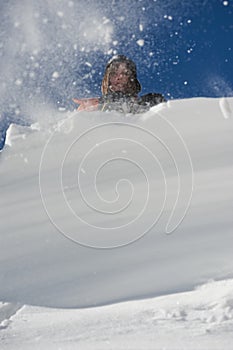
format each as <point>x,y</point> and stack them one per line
<point>115,61</point>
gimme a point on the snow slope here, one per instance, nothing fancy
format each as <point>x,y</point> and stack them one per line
<point>51,201</point>
<point>101,208</point>
<point>201,319</point>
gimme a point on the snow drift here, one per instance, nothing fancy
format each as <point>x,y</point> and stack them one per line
<point>200,319</point>
<point>102,207</point>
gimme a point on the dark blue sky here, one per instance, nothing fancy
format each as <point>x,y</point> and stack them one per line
<point>53,51</point>
<point>187,49</point>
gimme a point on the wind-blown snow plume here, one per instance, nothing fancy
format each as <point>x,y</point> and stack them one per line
<point>54,50</point>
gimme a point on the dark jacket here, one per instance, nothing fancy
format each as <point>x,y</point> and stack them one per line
<point>129,104</point>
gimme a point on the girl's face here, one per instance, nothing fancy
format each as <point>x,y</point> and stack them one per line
<point>120,78</point>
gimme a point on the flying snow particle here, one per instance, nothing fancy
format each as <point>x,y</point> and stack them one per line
<point>55,75</point>
<point>140,42</point>
<point>88,64</point>
<point>106,20</point>
<point>60,13</point>
<point>189,21</point>
<point>185,82</point>
<point>170,18</point>
<point>112,52</point>
<point>225,3</point>
<point>18,82</point>
<point>140,27</point>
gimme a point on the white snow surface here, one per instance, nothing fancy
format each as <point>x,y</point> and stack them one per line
<point>116,230</point>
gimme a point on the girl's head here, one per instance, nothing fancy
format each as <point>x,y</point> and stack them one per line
<point>121,76</point>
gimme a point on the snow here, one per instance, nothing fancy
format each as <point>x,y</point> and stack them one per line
<point>140,42</point>
<point>116,230</point>
<point>55,75</point>
<point>200,319</point>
